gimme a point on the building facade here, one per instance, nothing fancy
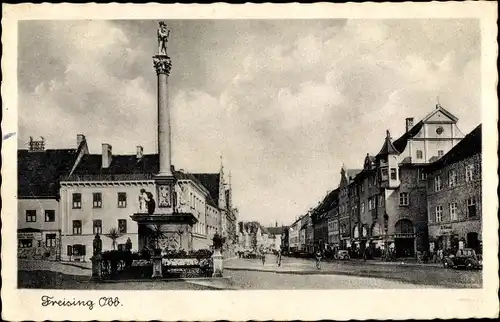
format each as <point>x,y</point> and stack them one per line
<point>293,236</point>
<point>39,224</point>
<point>454,197</point>
<point>387,207</point>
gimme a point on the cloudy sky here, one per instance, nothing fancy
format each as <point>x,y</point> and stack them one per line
<point>285,102</point>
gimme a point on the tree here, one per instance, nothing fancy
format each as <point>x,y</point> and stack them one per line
<point>156,234</point>
<point>114,234</point>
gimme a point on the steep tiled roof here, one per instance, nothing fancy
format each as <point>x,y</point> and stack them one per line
<point>328,202</point>
<point>400,144</point>
<point>352,173</point>
<point>470,145</point>
<point>39,172</point>
<point>211,182</point>
<point>91,164</point>
<point>388,147</point>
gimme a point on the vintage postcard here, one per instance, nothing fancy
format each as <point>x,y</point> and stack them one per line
<point>237,162</point>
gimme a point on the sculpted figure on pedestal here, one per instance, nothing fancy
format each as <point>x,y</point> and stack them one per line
<point>163,34</point>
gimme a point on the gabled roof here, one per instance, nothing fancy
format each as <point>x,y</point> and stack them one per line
<point>388,147</point>
<point>39,172</point>
<point>470,145</point>
<point>441,109</point>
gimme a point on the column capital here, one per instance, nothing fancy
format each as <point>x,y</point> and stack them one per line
<point>162,64</point>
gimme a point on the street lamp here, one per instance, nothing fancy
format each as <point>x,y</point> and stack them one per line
<point>386,229</point>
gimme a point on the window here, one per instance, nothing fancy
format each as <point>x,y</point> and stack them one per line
<point>403,199</point>
<point>26,243</point>
<point>69,250</point>
<point>471,207</point>
<point>453,211</point>
<point>371,203</point>
<point>452,178</point>
<point>440,153</point>
<point>50,240</point>
<point>121,247</point>
<point>77,227</point>
<point>437,183</point>
<point>439,213</point>
<point>97,200</point>
<point>362,207</point>
<point>469,170</point>
<point>50,215</point>
<point>420,155</point>
<point>422,174</point>
<point>384,174</point>
<point>77,201</point>
<point>122,200</point>
<point>122,226</point>
<point>394,175</point>
<point>79,250</point>
<point>30,215</point>
<point>380,201</point>
<point>97,226</point>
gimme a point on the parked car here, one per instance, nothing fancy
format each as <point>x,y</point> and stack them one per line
<point>343,255</point>
<point>464,258</point>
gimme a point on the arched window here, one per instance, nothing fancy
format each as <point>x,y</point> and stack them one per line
<point>404,226</point>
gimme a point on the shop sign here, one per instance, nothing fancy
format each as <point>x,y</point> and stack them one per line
<point>445,229</point>
<point>404,236</point>
<point>461,244</point>
<point>431,247</point>
<point>25,235</point>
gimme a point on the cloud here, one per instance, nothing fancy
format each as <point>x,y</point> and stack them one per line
<point>285,102</point>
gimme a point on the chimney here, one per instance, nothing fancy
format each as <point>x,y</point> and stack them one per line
<point>139,152</point>
<point>106,155</point>
<point>409,123</point>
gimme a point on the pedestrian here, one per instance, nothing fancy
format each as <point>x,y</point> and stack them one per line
<point>263,259</point>
<point>318,259</point>
<point>279,258</point>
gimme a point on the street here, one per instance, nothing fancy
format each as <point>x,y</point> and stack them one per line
<point>416,274</point>
<point>244,274</point>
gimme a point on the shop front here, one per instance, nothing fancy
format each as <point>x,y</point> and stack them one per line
<point>453,236</point>
<point>38,244</point>
<point>404,239</point>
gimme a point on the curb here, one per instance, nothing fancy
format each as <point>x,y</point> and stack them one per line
<point>358,274</point>
<point>165,279</point>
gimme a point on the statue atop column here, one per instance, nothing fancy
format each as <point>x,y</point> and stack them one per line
<point>163,34</point>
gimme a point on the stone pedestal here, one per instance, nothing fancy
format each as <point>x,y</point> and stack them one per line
<point>157,268</point>
<point>96,266</point>
<point>218,261</point>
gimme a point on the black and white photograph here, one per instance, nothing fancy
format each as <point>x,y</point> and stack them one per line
<point>173,153</point>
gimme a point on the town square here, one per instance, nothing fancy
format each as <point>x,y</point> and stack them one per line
<point>249,155</point>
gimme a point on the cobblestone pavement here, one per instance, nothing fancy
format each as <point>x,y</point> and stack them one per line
<point>423,274</point>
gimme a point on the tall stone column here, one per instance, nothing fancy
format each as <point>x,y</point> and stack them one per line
<point>162,65</point>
